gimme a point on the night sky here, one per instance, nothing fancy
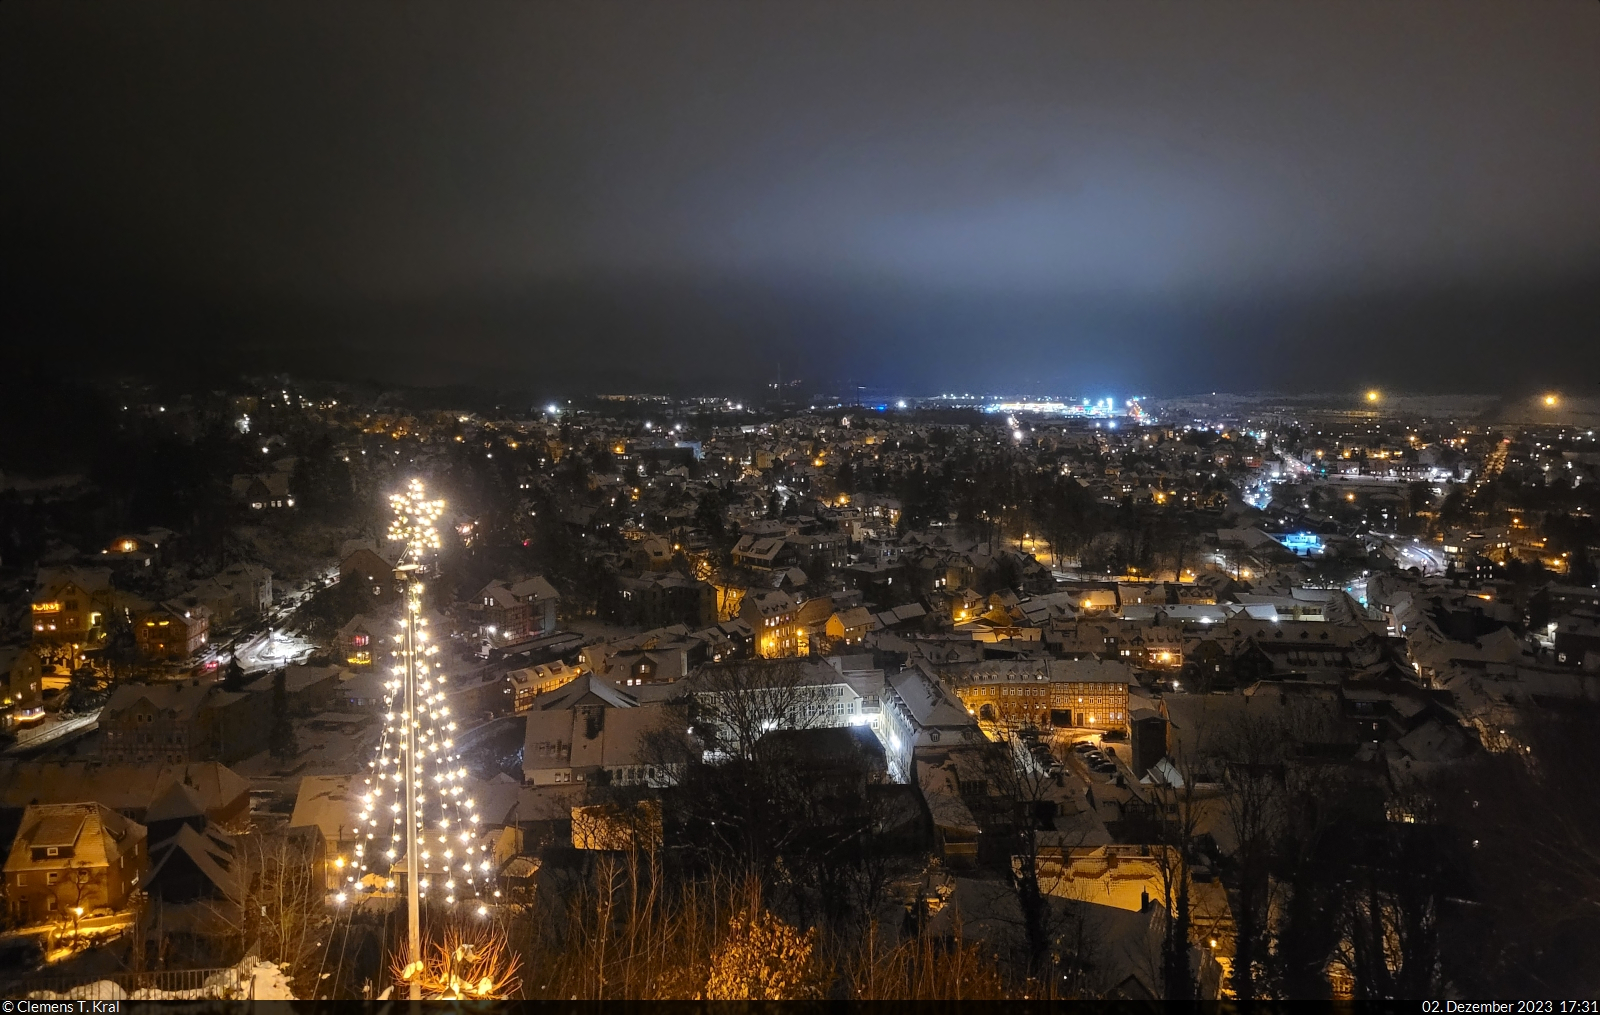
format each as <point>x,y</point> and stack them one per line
<point>1069,197</point>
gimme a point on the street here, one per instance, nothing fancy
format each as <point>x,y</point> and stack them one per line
<point>52,732</point>
<point>272,650</point>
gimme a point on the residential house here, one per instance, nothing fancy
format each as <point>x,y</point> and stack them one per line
<point>191,859</point>
<point>72,860</point>
<point>251,585</point>
<point>180,722</point>
<point>530,682</point>
<point>772,616</point>
<point>653,553</point>
<point>332,805</point>
<point>1577,640</point>
<point>70,605</point>
<point>264,491</point>
<point>851,626</point>
<point>591,732</point>
<point>218,600</point>
<point>359,638</point>
<point>173,630</point>
<point>663,598</point>
<point>362,690</point>
<point>758,552</point>
<point>130,552</point>
<point>130,790</point>
<point>664,664</point>
<point>309,689</point>
<point>920,714</point>
<point>23,674</point>
<point>515,612</point>
<point>821,552</point>
<point>372,567</point>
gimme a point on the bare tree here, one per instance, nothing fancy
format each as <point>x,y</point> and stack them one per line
<point>738,703</point>
<point>1252,784</point>
<point>1024,782</point>
<point>1176,817</point>
<point>284,906</point>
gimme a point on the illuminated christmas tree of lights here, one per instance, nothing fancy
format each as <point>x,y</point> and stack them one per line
<point>445,818</point>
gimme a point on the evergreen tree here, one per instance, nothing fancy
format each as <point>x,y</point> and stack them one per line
<point>233,678</point>
<point>85,690</point>
<point>1180,984</point>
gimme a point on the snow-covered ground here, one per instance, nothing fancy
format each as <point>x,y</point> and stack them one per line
<point>254,979</point>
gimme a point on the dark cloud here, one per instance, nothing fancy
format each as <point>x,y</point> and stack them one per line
<point>924,194</point>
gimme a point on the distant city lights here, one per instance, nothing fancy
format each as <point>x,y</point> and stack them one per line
<point>1104,408</point>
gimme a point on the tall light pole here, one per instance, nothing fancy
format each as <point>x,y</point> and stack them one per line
<point>416,757</point>
<point>413,525</point>
<point>412,589</point>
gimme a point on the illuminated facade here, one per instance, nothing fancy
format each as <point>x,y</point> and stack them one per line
<point>20,668</point>
<point>172,632</point>
<point>772,616</point>
<point>68,612</point>
<point>517,612</point>
<point>529,683</point>
<point>358,639</point>
<point>1087,693</point>
<point>72,858</point>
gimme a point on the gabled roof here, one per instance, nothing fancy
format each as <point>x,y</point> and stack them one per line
<point>179,801</point>
<point>95,833</point>
<point>541,672</point>
<point>332,803</point>
<point>361,623</point>
<point>764,548</point>
<point>535,588</point>
<point>58,829</point>
<point>770,604</point>
<point>92,580</point>
<point>856,619</point>
<point>587,689</point>
<point>183,699</point>
<point>572,738</point>
<point>927,701</point>
<point>210,853</point>
<point>296,678</point>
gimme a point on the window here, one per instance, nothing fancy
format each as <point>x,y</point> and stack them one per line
<point>52,877</point>
<point>52,851</point>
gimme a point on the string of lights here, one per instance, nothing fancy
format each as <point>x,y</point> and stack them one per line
<point>437,834</point>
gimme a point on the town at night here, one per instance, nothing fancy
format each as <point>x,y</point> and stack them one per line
<point>835,503</point>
